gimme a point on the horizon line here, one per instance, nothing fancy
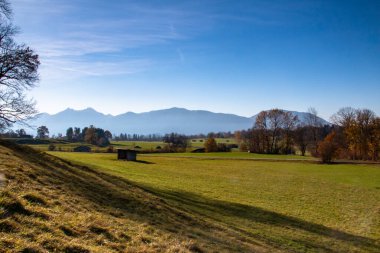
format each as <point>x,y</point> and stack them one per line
<point>169,108</point>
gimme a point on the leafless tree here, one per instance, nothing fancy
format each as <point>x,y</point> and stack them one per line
<point>345,118</point>
<point>300,138</point>
<point>360,128</point>
<point>271,128</point>
<point>314,126</point>
<point>276,121</point>
<point>261,132</point>
<point>365,127</point>
<point>18,72</point>
<point>5,10</point>
<point>290,122</point>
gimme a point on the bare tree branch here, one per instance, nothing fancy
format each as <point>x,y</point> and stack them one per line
<point>18,73</point>
<point>5,9</point>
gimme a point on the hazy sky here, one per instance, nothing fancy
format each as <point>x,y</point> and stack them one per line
<point>225,56</point>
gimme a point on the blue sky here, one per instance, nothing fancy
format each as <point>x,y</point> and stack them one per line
<point>224,56</point>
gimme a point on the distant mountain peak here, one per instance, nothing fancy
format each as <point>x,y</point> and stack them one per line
<point>89,109</point>
<point>178,108</point>
<point>82,111</point>
<point>174,119</point>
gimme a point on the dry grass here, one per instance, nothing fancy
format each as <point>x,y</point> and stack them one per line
<point>50,205</point>
<point>297,206</point>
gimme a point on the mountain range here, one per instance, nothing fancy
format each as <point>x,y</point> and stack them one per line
<point>164,121</point>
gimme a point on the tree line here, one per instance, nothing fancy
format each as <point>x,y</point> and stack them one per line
<point>354,134</point>
<point>280,132</point>
<point>137,137</point>
<point>357,135</point>
<point>92,135</point>
<point>159,137</point>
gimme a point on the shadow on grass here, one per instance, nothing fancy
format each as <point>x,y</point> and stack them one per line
<point>289,233</point>
<point>144,162</point>
<point>114,196</point>
<point>290,228</point>
<point>192,215</point>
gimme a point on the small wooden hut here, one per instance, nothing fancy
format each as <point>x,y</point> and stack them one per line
<point>126,154</point>
<point>82,149</point>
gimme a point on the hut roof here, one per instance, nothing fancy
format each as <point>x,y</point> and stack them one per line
<point>126,149</point>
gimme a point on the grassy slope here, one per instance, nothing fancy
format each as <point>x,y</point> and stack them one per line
<point>49,205</point>
<point>285,205</point>
<point>67,147</point>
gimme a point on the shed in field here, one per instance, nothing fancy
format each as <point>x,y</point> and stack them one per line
<point>126,154</point>
<point>82,149</point>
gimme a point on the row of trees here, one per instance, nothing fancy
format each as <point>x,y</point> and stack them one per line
<point>211,145</point>
<point>138,137</point>
<point>213,135</point>
<point>91,135</point>
<point>19,133</point>
<point>159,137</point>
<point>355,134</point>
<point>277,131</point>
<point>175,142</point>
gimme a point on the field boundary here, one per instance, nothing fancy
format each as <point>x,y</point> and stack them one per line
<point>313,160</point>
<point>237,158</point>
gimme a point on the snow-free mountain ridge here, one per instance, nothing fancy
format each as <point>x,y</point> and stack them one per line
<point>175,119</point>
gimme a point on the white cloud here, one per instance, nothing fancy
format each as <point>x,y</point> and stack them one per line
<point>60,69</point>
<point>72,46</point>
<point>78,38</point>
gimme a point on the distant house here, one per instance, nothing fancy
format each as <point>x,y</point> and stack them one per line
<point>126,154</point>
<point>82,149</point>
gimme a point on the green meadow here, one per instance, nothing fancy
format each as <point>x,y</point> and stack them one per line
<point>144,145</point>
<point>233,156</point>
<point>300,206</point>
<point>152,145</point>
<point>138,145</point>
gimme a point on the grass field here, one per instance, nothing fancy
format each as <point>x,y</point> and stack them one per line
<point>282,205</point>
<point>52,205</point>
<point>151,145</point>
<point>144,145</point>
<point>233,156</point>
<point>68,147</point>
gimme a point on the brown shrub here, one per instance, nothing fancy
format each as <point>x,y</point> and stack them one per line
<point>328,149</point>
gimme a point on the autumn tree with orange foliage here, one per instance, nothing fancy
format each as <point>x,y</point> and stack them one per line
<point>328,148</point>
<point>210,145</point>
